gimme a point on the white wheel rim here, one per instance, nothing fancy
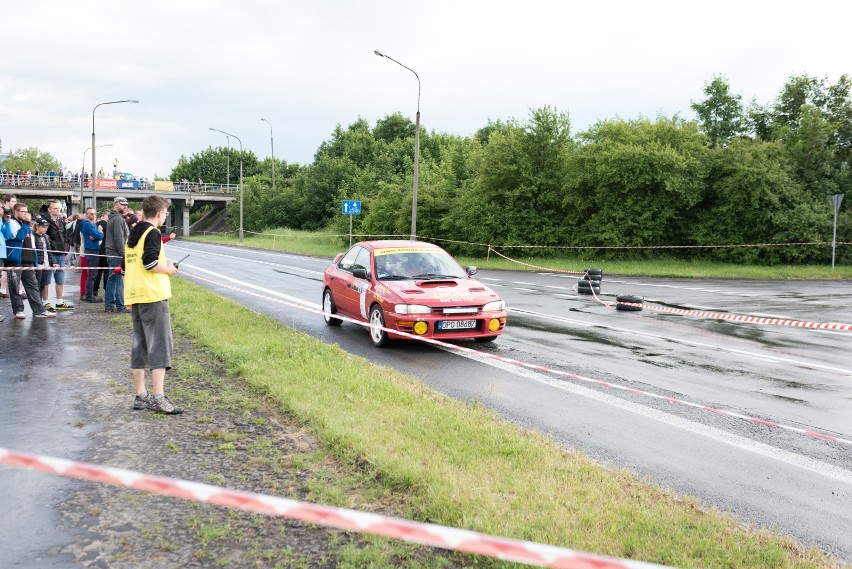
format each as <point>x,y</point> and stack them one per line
<point>375,321</point>
<point>326,305</point>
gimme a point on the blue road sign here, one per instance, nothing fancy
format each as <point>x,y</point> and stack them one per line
<point>351,207</point>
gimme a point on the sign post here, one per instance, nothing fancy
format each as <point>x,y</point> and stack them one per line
<point>350,208</point>
<point>835,199</point>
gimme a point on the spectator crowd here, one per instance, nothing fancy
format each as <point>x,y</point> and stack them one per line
<point>37,250</point>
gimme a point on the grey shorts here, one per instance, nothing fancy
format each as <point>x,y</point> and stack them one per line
<point>59,274</point>
<point>152,336</point>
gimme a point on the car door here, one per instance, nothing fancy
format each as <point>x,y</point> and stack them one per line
<point>361,286</point>
<point>345,298</point>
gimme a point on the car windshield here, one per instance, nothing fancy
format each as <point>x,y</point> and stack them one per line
<point>421,265</point>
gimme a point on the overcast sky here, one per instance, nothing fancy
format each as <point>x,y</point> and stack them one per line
<point>307,66</point>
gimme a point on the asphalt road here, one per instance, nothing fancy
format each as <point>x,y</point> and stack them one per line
<point>799,484</point>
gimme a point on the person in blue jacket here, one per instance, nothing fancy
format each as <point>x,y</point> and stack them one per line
<point>91,236</point>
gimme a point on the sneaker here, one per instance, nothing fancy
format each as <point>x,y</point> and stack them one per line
<point>49,307</point>
<point>20,315</point>
<point>95,299</point>
<point>141,402</point>
<point>46,314</point>
<point>163,405</point>
<point>2,318</point>
<point>64,305</point>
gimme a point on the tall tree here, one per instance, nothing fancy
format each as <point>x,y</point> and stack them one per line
<point>32,159</point>
<point>636,182</point>
<point>720,114</point>
<point>211,165</point>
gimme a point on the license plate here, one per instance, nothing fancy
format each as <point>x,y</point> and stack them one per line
<point>456,324</point>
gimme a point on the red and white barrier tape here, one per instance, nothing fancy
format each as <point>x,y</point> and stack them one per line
<point>744,318</point>
<point>732,246</point>
<point>536,266</point>
<point>433,535</point>
<point>527,365</point>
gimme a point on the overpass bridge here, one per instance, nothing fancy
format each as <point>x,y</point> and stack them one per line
<point>36,190</point>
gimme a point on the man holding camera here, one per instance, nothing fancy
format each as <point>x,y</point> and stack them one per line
<point>21,252</point>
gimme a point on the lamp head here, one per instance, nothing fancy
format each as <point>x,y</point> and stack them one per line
<point>134,101</point>
<point>379,53</point>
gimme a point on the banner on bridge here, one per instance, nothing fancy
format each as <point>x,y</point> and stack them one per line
<point>104,184</point>
<point>164,186</point>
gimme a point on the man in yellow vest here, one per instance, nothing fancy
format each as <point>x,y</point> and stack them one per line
<point>148,289</point>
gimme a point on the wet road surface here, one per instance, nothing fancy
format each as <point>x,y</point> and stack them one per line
<point>38,363</point>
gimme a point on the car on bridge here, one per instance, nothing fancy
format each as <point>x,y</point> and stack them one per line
<point>412,287</point>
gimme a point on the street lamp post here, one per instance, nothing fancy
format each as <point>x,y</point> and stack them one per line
<point>272,150</point>
<point>228,162</point>
<point>416,147</point>
<point>94,172</point>
<point>241,176</point>
<point>82,171</point>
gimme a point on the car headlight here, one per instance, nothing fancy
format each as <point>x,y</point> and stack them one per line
<point>411,309</point>
<point>496,305</point>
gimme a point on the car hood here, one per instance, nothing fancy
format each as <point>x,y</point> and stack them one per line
<point>439,292</point>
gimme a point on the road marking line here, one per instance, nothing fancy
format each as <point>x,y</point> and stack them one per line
<point>238,258</point>
<point>255,287</point>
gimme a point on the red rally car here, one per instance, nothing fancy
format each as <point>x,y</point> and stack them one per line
<point>413,287</point>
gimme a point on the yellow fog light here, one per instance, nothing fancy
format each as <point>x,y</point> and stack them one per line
<point>494,325</point>
<point>420,327</point>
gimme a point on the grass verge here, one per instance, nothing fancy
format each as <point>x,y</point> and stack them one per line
<point>458,464</point>
<point>328,245</point>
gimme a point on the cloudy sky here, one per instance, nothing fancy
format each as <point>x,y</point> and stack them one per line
<point>307,66</point>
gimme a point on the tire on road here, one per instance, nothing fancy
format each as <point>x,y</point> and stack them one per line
<point>631,299</point>
<point>329,307</point>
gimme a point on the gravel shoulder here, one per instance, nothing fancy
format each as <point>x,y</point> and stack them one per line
<point>228,436</point>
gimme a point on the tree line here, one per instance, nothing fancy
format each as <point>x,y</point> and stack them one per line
<point>737,175</point>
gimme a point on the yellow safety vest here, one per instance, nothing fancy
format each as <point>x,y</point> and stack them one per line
<point>140,284</point>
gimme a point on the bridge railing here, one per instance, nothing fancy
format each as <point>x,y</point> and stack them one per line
<point>14,180</point>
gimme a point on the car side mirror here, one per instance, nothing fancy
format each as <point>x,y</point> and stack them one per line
<point>471,270</point>
<point>360,273</point>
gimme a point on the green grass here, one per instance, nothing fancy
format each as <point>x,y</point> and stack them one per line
<point>458,464</point>
<point>324,244</point>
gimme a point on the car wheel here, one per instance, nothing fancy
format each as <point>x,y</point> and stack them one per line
<point>329,308</point>
<point>377,335</point>
<point>485,339</point>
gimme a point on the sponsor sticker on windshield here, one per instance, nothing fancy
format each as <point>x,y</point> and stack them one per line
<point>392,250</point>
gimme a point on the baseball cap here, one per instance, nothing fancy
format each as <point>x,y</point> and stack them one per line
<point>121,200</point>
<point>40,221</point>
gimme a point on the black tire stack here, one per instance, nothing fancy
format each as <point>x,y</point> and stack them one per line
<point>590,282</point>
<point>629,302</point>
